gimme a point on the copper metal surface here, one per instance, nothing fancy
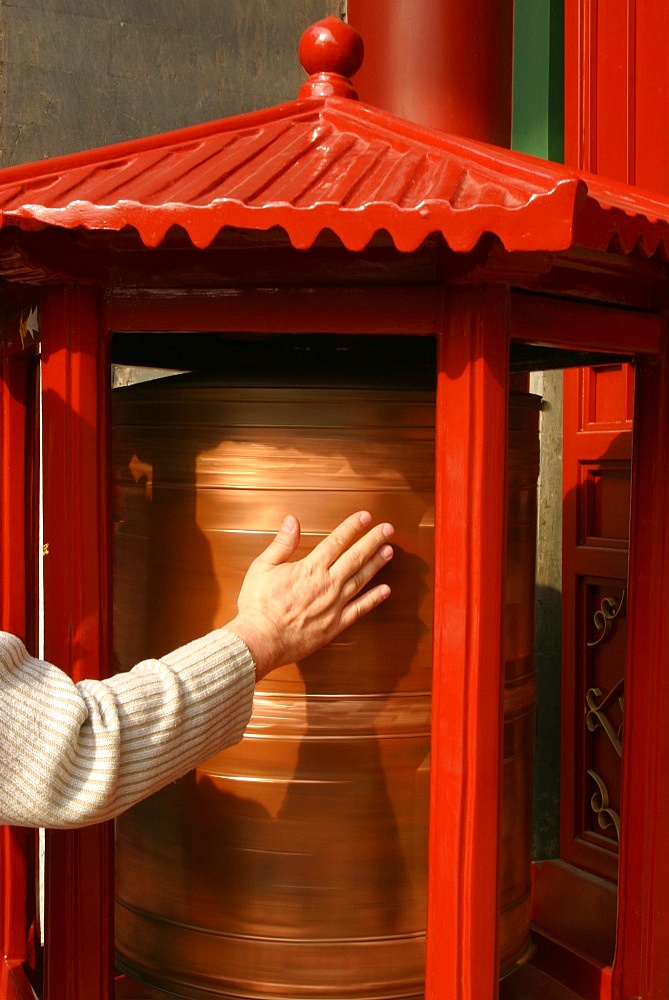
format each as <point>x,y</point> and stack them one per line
<point>295,864</point>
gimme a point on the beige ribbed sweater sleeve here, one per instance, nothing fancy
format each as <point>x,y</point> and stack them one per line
<point>75,754</point>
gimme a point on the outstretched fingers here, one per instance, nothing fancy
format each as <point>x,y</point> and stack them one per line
<point>343,554</point>
<point>340,538</point>
<point>363,604</point>
<point>359,568</point>
<point>360,561</point>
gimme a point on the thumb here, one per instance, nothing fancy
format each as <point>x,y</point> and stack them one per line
<point>284,544</point>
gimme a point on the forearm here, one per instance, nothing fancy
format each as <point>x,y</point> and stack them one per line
<point>79,754</point>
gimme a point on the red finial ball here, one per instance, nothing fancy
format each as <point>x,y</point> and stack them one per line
<point>330,51</point>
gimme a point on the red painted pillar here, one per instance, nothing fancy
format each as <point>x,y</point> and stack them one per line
<point>467,699</point>
<point>442,63</point>
<point>75,398</point>
<point>641,968</point>
<point>18,561</point>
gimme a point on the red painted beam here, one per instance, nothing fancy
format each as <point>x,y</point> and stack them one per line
<point>387,310</point>
<point>540,319</point>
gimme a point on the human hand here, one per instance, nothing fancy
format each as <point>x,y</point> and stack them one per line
<point>287,610</point>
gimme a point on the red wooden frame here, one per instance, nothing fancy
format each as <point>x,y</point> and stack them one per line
<point>641,966</point>
<point>473,366</point>
<point>473,372</point>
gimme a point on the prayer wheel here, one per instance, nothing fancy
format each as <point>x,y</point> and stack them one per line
<point>294,864</point>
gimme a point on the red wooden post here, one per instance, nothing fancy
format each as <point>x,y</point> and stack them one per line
<point>641,968</point>
<point>13,474</point>
<point>17,562</point>
<point>78,881</point>
<point>470,518</point>
<point>17,918</point>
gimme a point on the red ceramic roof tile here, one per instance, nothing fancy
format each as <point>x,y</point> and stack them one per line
<point>333,164</point>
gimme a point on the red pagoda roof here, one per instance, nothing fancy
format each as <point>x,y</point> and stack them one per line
<point>330,163</point>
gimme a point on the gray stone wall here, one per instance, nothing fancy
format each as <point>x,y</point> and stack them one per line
<point>548,619</point>
<point>76,74</point>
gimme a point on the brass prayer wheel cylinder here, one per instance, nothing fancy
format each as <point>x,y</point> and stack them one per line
<point>295,863</point>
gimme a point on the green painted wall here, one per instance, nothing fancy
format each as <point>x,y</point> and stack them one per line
<point>538,78</point>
